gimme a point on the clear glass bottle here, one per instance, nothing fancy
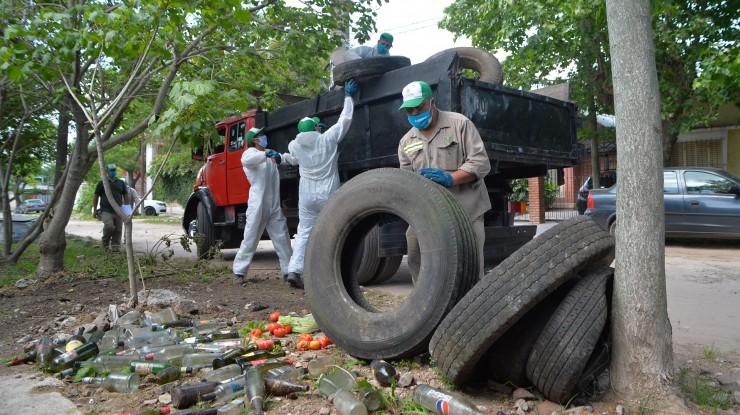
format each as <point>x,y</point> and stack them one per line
<point>132,317</point>
<point>198,360</point>
<point>319,365</point>
<point>109,363</point>
<point>219,346</point>
<point>286,372</point>
<point>235,407</point>
<point>44,350</point>
<point>166,315</point>
<point>165,353</point>
<point>371,398</point>
<point>336,378</point>
<point>227,389</point>
<point>223,373</point>
<point>116,382</point>
<point>436,400</point>
<point>255,388</point>
<point>347,403</point>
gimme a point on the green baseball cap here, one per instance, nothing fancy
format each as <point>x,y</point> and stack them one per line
<point>306,124</point>
<point>387,37</point>
<point>415,93</point>
<point>252,133</point>
<point>111,167</point>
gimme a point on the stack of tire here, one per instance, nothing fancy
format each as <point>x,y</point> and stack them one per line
<point>540,317</point>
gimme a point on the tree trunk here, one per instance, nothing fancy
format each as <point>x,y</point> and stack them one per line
<point>642,360</point>
<point>669,140</point>
<point>53,241</point>
<point>62,138</point>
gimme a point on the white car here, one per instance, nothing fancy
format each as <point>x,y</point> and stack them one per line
<point>151,207</point>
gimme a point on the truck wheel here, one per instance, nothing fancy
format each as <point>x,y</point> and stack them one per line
<point>569,337</point>
<point>149,211</point>
<point>360,69</point>
<point>387,269</point>
<point>449,264</point>
<point>368,263</point>
<point>511,289</point>
<point>478,60</point>
<point>204,228</point>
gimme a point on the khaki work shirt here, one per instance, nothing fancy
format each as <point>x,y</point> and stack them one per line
<point>455,144</point>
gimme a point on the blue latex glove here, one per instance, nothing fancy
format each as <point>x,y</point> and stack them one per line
<point>274,155</point>
<point>350,87</point>
<point>437,176</point>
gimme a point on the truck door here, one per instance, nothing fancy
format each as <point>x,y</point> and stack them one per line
<point>237,186</point>
<point>215,169</point>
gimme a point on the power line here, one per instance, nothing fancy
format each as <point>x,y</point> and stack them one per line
<point>436,19</point>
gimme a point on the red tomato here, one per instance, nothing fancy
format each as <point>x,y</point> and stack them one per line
<point>279,332</point>
<point>255,332</point>
<point>324,342</point>
<point>314,345</point>
<point>288,328</point>
<point>303,345</point>
<point>274,316</point>
<point>305,337</point>
<point>272,326</point>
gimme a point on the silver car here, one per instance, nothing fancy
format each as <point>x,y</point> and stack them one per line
<point>700,202</point>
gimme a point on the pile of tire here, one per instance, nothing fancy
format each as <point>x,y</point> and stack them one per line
<point>539,318</point>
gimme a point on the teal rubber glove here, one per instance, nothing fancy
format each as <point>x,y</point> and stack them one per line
<point>274,155</point>
<point>350,87</point>
<point>437,176</point>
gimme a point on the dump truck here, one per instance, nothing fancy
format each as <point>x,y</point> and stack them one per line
<point>526,134</point>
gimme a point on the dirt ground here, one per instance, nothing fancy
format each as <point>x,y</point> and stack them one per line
<point>703,291</point>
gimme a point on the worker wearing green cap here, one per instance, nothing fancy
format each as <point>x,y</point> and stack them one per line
<point>446,148</point>
<point>382,48</point>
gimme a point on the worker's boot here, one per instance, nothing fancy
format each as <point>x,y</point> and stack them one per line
<point>295,280</point>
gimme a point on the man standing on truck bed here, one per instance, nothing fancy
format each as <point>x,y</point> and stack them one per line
<point>316,156</point>
<point>382,48</point>
<point>446,148</point>
<point>263,210</point>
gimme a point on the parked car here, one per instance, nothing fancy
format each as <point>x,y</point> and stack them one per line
<point>154,207</point>
<point>700,202</point>
<point>31,205</point>
<point>607,178</point>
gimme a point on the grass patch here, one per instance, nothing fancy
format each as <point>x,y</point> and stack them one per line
<point>711,352</point>
<point>703,392</point>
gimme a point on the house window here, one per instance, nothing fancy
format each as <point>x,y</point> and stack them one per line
<point>698,153</point>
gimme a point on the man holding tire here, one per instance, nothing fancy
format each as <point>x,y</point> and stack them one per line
<point>446,148</point>
<point>382,48</point>
<point>316,155</point>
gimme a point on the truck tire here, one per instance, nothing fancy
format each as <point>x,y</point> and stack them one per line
<point>568,339</point>
<point>478,60</point>
<point>360,69</point>
<point>449,263</point>
<point>511,289</point>
<point>387,269</point>
<point>368,261</point>
<point>204,228</point>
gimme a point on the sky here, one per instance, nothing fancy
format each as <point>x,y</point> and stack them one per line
<point>413,24</point>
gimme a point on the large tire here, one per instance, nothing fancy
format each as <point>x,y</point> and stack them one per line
<point>360,69</point>
<point>478,60</point>
<point>511,289</point>
<point>204,228</point>
<point>569,337</point>
<point>387,269</point>
<point>367,259</point>
<point>449,264</point>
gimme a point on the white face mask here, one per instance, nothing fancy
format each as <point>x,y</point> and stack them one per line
<point>263,141</point>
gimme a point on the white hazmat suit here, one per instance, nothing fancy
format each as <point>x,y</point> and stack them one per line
<point>316,156</point>
<point>263,211</point>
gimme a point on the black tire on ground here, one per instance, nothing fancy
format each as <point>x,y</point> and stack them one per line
<point>613,228</point>
<point>367,259</point>
<point>511,289</point>
<point>478,60</point>
<point>150,211</point>
<point>506,360</point>
<point>204,228</point>
<point>448,263</point>
<point>569,337</point>
<point>360,69</point>
<point>387,269</point>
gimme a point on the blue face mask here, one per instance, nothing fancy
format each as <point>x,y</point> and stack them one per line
<point>112,173</point>
<point>420,121</point>
<point>382,49</point>
<point>263,141</point>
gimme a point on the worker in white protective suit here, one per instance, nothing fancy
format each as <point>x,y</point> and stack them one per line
<point>263,210</point>
<point>382,48</point>
<point>316,155</point>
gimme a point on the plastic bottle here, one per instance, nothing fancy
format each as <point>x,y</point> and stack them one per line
<point>438,401</point>
<point>320,365</point>
<point>67,360</point>
<point>223,373</point>
<point>116,382</point>
<point>185,396</point>
<point>347,404</point>
<point>235,407</point>
<point>383,371</point>
<point>255,388</point>
<point>147,411</point>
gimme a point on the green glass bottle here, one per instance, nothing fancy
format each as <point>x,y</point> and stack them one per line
<point>67,360</point>
<point>148,367</point>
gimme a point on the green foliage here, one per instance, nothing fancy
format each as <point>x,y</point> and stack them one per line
<point>711,352</point>
<point>519,190</point>
<point>703,392</point>
<point>85,198</point>
<point>175,183</point>
<point>551,193</point>
<point>696,48</point>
